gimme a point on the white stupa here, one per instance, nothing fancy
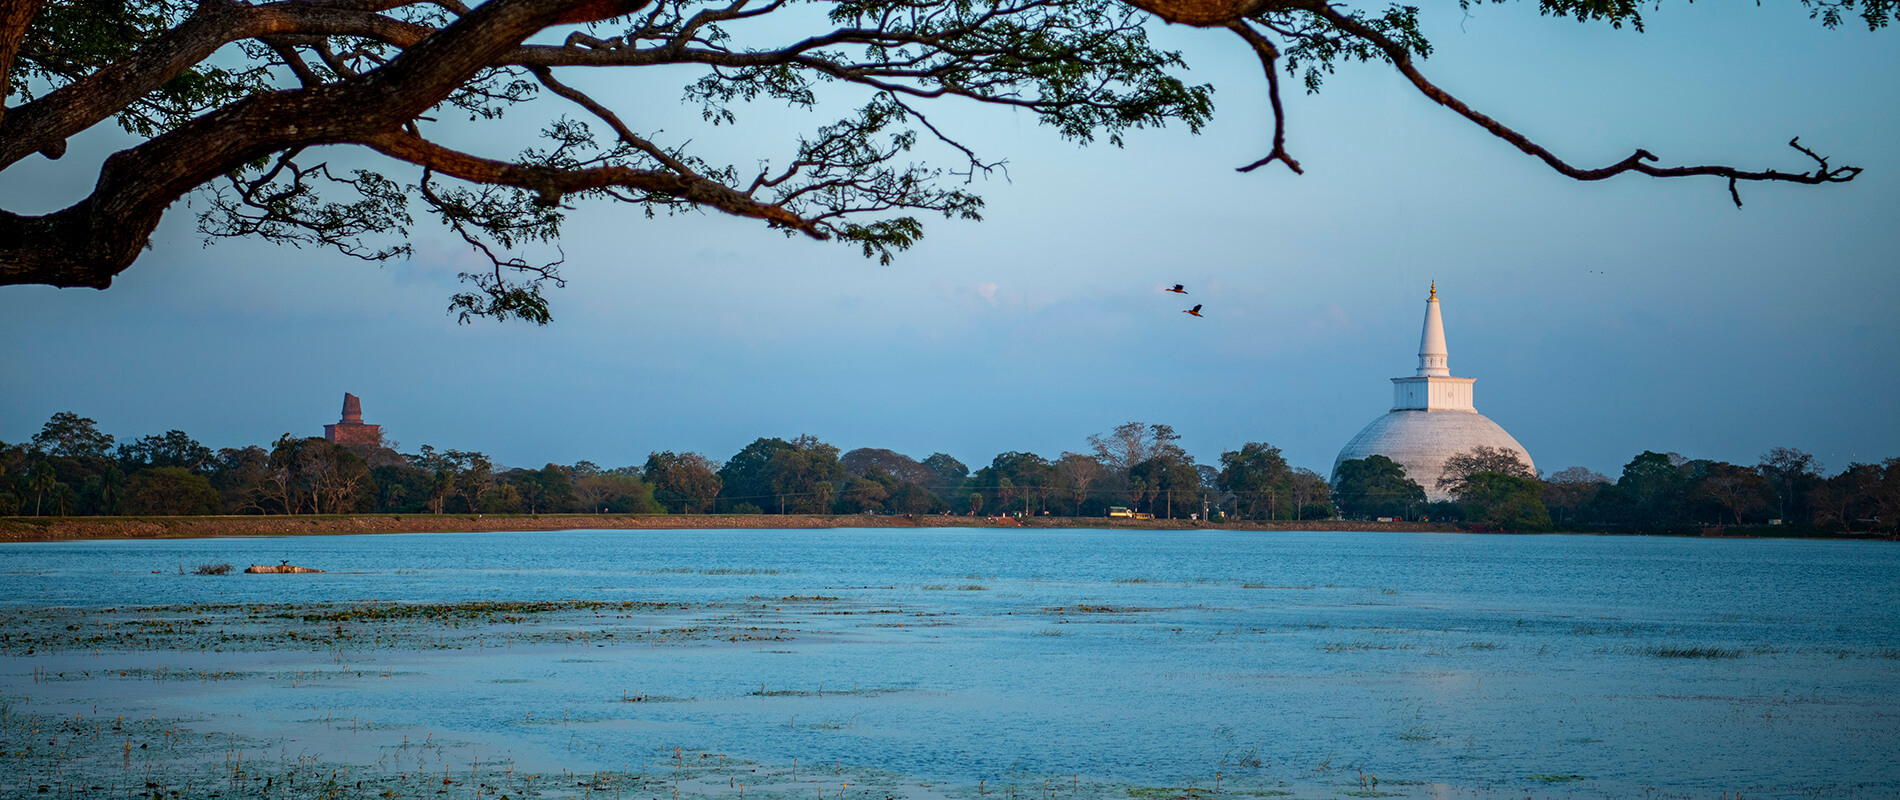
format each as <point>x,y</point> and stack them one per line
<point>1432,418</point>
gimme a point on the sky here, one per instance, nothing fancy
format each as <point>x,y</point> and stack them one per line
<point>1599,320</point>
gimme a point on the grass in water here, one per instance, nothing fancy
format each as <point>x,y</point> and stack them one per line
<point>1671,651</point>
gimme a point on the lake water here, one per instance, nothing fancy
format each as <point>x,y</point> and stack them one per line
<point>964,660</point>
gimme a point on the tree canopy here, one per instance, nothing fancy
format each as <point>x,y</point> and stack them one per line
<point>240,106</point>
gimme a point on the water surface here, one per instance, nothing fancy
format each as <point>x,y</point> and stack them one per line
<point>1447,665</point>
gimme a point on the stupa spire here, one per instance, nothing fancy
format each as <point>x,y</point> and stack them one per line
<point>1433,360</point>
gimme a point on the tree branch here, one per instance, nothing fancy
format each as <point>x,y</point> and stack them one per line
<point>1636,162</point>
<point>552,183</point>
<point>1269,59</point>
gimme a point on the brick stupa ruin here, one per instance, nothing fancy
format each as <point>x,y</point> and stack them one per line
<point>350,430</point>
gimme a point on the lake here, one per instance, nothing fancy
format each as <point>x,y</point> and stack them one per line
<point>957,663</point>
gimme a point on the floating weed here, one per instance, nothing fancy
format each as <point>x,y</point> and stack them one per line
<point>1342,647</point>
<point>1586,629</point>
<point>1555,778</point>
<point>1479,646</point>
<point>1164,792</point>
<point>1671,651</point>
<point>973,588</point>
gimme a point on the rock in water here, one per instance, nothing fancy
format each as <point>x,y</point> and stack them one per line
<point>264,569</point>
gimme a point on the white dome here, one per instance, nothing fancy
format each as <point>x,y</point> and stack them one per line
<point>1422,440</point>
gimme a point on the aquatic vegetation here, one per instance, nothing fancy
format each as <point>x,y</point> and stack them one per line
<point>212,569</point>
<point>1555,778</point>
<point>1669,651</point>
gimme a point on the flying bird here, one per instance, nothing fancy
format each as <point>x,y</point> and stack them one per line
<point>1196,310</point>
<point>1178,290</point>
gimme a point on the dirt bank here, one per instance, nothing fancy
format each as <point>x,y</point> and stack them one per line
<point>49,529</point>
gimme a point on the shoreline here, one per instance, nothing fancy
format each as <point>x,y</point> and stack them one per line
<point>59,529</point>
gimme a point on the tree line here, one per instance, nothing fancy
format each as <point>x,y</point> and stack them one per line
<point>72,468</point>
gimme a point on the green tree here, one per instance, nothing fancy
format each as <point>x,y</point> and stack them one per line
<point>804,477</point>
<point>1571,492</point>
<point>1501,500</point>
<point>1015,475</point>
<point>1311,495</point>
<point>1790,473</point>
<point>72,436</point>
<point>1171,483</point>
<point>402,489</point>
<point>618,493</point>
<point>1077,473</point>
<point>1736,490</point>
<point>173,449</point>
<point>909,498</point>
<point>1653,489</point>
<point>744,479</point>
<point>41,481</point>
<point>950,472</point>
<point>1375,486</point>
<point>1255,475</point>
<point>861,495</point>
<point>241,477</point>
<point>1482,458</point>
<point>172,491</point>
<point>686,483</point>
<point>902,467</point>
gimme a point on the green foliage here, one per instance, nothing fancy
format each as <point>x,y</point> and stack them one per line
<point>1499,500</point>
<point>744,480</point>
<point>1170,484</point>
<point>173,449</point>
<point>72,436</point>
<point>171,491</point>
<point>1256,474</point>
<point>950,472</point>
<point>684,483</point>
<point>1375,486</point>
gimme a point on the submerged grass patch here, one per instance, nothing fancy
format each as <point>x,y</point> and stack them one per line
<point>1671,651</point>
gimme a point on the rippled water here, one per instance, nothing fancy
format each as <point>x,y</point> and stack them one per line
<point>1464,663</point>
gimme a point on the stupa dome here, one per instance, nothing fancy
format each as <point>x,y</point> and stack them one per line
<point>1432,417</point>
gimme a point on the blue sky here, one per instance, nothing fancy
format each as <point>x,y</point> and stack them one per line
<point>1598,319</point>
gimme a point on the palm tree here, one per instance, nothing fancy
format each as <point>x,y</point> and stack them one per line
<point>41,482</point>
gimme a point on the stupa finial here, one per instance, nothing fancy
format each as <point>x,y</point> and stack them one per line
<point>1434,291</point>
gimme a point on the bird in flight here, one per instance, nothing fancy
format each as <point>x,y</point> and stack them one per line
<point>1178,289</point>
<point>1196,310</point>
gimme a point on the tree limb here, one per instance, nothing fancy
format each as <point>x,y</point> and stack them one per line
<point>1636,162</point>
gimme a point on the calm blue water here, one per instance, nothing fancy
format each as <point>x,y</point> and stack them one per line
<point>1464,662</point>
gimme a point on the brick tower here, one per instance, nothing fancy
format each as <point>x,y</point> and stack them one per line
<point>350,430</point>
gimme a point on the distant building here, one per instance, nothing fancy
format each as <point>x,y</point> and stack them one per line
<point>350,430</point>
<point>1432,417</point>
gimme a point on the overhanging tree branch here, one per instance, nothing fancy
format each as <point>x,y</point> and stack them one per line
<point>1636,162</point>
